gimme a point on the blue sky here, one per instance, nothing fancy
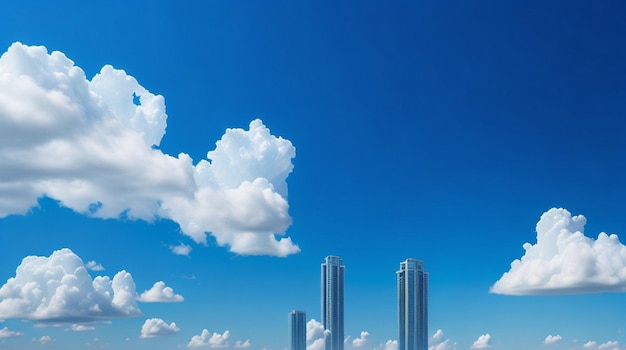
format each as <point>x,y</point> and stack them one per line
<point>442,131</point>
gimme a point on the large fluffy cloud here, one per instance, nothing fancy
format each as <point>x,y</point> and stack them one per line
<point>156,327</point>
<point>88,145</point>
<point>58,288</point>
<point>565,261</point>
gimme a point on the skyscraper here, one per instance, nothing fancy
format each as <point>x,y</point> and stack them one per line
<point>412,305</point>
<point>297,328</point>
<point>332,301</point>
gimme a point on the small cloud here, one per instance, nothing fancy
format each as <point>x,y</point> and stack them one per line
<point>483,342</point>
<point>156,327</point>
<point>208,340</point>
<point>159,293</point>
<point>242,345</point>
<point>590,345</point>
<point>552,339</point>
<point>391,345</point>
<point>565,261</point>
<point>82,328</point>
<point>94,266</point>
<point>76,297</point>
<point>181,249</point>
<point>6,333</point>
<point>43,340</point>
<point>438,343</point>
<point>610,345</point>
<point>361,340</point>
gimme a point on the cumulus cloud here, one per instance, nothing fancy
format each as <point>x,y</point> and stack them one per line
<point>360,341</point>
<point>59,289</point>
<point>160,293</point>
<point>6,333</point>
<point>156,327</point>
<point>43,340</point>
<point>94,266</point>
<point>438,342</point>
<point>565,261</point>
<point>483,342</point>
<point>181,249</point>
<point>208,340</point>
<point>391,345</point>
<point>552,339</point>
<point>242,345</point>
<point>86,144</point>
<point>315,335</point>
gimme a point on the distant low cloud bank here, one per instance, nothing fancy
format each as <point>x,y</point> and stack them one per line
<point>565,261</point>
<point>90,145</point>
<point>59,289</point>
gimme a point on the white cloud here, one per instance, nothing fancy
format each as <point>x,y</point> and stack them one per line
<point>159,293</point>
<point>391,345</point>
<point>82,328</point>
<point>242,345</point>
<point>208,340</point>
<point>44,339</point>
<point>94,266</point>
<point>156,327</point>
<point>361,340</point>
<point>315,335</point>
<point>181,249</point>
<point>87,145</point>
<point>438,343</point>
<point>552,339</point>
<point>6,333</point>
<point>565,261</point>
<point>59,289</point>
<point>590,345</point>
<point>483,342</point>
<point>610,345</point>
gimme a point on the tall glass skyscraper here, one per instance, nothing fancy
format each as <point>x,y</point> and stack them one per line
<point>412,305</point>
<point>332,301</point>
<point>297,329</point>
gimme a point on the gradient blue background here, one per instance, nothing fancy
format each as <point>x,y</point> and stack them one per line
<point>436,130</point>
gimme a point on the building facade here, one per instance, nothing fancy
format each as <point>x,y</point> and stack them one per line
<point>297,330</point>
<point>412,305</point>
<point>332,301</point>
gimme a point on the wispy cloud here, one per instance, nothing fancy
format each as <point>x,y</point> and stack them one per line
<point>565,261</point>
<point>58,130</point>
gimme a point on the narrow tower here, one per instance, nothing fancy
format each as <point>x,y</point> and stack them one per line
<point>412,305</point>
<point>297,329</point>
<point>332,301</point>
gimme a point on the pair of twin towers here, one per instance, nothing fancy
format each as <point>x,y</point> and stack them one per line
<point>412,307</point>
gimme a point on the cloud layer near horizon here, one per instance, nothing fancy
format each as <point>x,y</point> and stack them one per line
<point>59,289</point>
<point>88,145</point>
<point>565,261</point>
